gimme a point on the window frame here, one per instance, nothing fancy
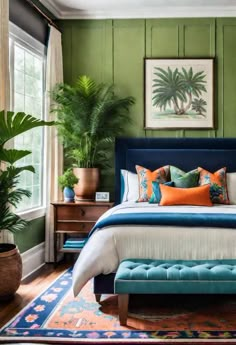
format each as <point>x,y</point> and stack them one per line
<point>17,35</point>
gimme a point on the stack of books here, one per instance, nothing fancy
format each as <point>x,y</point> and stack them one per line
<point>75,243</point>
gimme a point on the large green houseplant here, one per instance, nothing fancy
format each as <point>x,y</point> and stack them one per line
<point>11,125</point>
<point>90,117</point>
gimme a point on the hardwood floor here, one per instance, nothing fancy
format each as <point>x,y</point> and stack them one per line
<point>29,289</point>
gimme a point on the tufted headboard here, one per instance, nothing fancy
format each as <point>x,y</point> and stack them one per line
<point>185,153</point>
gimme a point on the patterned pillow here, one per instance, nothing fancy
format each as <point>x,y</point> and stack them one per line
<point>156,192</point>
<point>218,184</point>
<point>182,179</point>
<point>146,177</point>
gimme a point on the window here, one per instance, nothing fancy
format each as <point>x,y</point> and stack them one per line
<point>27,75</point>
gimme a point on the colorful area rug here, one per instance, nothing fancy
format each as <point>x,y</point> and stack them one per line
<point>56,316</point>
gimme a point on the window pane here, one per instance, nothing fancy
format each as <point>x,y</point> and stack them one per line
<point>29,64</point>
<point>19,58</point>
<point>18,102</point>
<point>27,72</point>
<point>19,82</point>
<point>38,68</point>
<point>29,105</point>
<point>38,88</point>
<point>37,108</point>
<point>29,85</point>
<point>36,196</point>
<point>36,176</point>
<point>29,180</point>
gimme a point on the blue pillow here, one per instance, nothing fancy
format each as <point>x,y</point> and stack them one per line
<point>156,193</point>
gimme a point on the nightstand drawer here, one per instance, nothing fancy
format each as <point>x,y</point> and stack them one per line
<point>75,226</point>
<point>81,212</point>
<point>75,220</point>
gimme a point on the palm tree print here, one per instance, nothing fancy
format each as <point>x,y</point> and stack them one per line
<point>176,89</point>
<point>198,105</point>
<point>168,89</point>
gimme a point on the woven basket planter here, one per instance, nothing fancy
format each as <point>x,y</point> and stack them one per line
<point>10,270</point>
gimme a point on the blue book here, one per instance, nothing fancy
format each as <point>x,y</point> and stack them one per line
<point>76,240</point>
<point>73,246</point>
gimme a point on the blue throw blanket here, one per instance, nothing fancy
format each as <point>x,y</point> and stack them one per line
<point>219,220</point>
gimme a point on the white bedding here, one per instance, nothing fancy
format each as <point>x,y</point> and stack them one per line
<point>111,244</point>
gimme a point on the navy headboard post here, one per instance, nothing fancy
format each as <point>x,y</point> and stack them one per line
<point>185,153</point>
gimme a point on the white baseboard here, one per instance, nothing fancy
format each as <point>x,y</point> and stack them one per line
<point>33,259</point>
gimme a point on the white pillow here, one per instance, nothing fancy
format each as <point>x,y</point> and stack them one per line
<point>129,186</point>
<point>231,185</point>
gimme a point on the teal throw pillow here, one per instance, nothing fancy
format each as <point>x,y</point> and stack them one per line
<point>182,179</point>
<point>156,192</point>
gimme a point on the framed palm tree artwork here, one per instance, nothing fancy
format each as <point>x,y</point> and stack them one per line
<point>178,93</point>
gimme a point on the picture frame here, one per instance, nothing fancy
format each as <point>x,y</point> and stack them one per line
<point>178,93</point>
<point>102,196</point>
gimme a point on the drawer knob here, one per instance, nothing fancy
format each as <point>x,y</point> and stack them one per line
<point>82,212</point>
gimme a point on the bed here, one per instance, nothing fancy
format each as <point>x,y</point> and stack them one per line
<point>143,230</point>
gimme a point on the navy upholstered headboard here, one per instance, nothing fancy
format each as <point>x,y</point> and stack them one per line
<point>185,153</point>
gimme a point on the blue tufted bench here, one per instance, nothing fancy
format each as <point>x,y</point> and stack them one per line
<point>144,276</point>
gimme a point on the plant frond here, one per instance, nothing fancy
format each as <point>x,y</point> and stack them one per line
<point>87,113</point>
<point>11,156</point>
<point>13,124</point>
<point>11,221</point>
<point>68,179</point>
<point>16,196</point>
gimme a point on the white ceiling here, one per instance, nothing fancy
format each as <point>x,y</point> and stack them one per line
<point>98,9</point>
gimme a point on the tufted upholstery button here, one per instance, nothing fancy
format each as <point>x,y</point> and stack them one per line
<point>143,269</point>
<point>159,276</point>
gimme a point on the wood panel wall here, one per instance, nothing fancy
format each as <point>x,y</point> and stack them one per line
<point>114,51</point>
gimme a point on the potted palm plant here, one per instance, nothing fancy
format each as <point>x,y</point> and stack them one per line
<point>90,117</point>
<point>11,194</point>
<point>67,182</point>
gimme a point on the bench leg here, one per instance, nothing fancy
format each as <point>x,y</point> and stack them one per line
<point>98,297</point>
<point>123,301</point>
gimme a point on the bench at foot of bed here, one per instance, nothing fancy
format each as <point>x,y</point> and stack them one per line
<point>144,276</point>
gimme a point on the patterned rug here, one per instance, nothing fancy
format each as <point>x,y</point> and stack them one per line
<point>56,316</point>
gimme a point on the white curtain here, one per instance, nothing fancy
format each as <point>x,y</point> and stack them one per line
<point>5,236</point>
<point>55,151</point>
<point>4,55</point>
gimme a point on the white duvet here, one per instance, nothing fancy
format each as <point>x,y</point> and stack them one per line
<point>109,245</point>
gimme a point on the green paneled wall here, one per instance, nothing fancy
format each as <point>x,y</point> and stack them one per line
<point>33,235</point>
<point>227,76</point>
<point>128,52</point>
<point>114,50</point>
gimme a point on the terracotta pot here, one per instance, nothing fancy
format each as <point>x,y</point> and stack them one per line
<point>10,270</point>
<point>88,183</point>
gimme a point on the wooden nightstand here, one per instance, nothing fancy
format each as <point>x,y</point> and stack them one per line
<point>75,219</point>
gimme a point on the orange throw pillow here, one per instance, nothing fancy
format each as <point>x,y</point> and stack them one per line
<point>218,183</point>
<point>197,196</point>
<point>146,177</point>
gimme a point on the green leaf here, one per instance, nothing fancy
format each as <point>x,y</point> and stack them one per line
<point>87,113</point>
<point>16,196</point>
<point>18,170</point>
<point>11,221</point>
<point>13,124</point>
<point>11,156</point>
